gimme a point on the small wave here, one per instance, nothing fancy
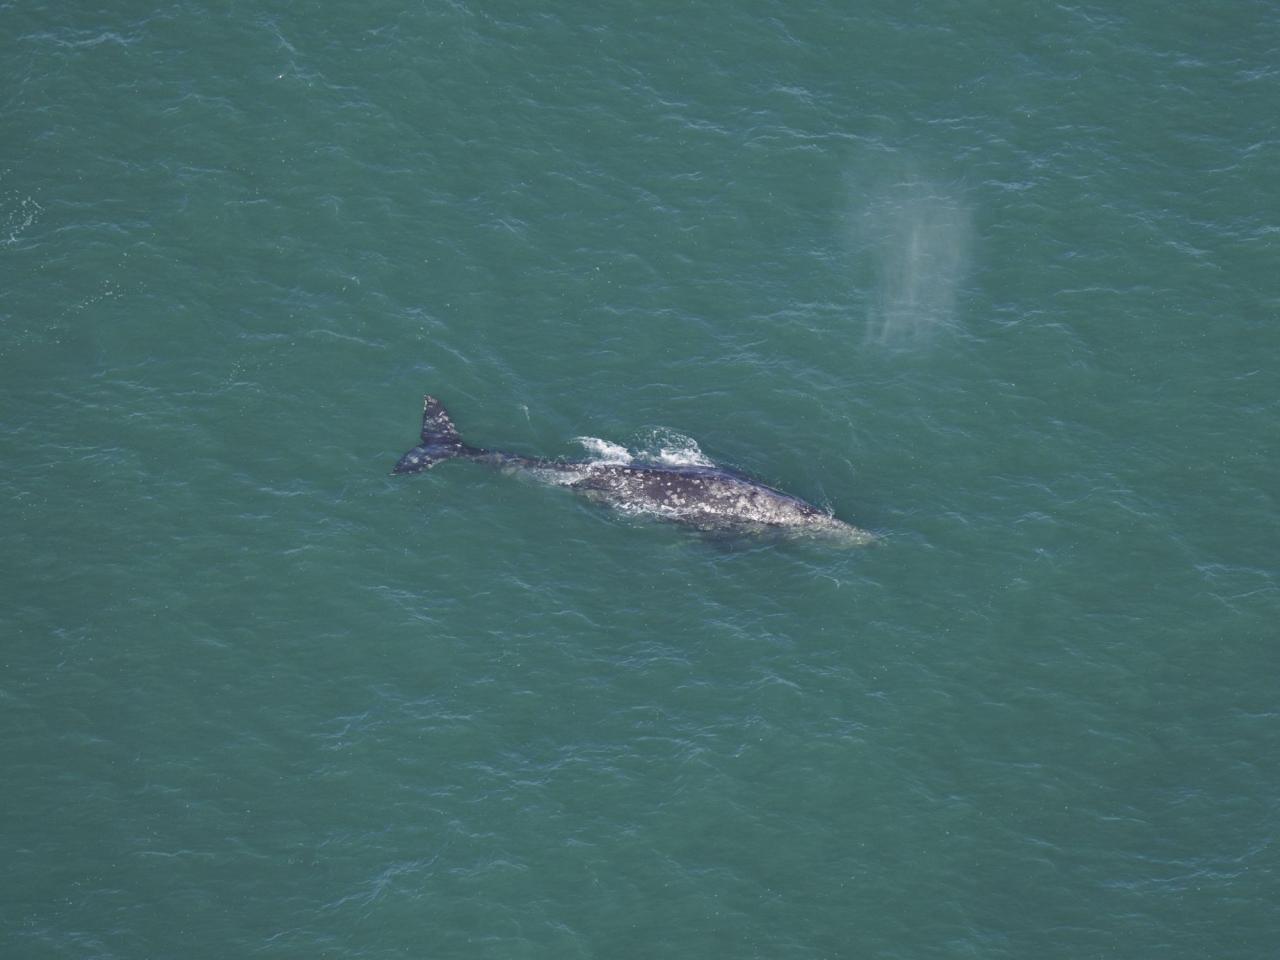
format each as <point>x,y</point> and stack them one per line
<point>661,445</point>
<point>17,215</point>
<point>675,450</point>
<point>604,450</point>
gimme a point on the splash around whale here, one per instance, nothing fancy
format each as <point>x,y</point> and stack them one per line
<point>706,498</point>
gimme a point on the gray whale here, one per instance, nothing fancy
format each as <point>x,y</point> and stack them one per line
<point>706,498</point>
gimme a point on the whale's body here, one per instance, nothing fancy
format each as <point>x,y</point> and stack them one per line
<point>704,497</point>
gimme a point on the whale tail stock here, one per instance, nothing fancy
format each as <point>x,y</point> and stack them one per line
<point>440,440</point>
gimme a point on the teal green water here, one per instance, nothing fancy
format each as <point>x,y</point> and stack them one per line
<point>997,282</point>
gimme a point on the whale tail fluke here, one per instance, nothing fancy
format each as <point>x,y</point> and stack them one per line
<point>440,440</point>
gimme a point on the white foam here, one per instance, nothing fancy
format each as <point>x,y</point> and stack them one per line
<point>605,451</point>
<point>676,450</point>
<point>662,445</point>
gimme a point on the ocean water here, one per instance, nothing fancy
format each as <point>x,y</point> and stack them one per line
<point>998,282</point>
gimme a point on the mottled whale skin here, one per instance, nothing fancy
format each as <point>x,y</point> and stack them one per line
<point>706,498</point>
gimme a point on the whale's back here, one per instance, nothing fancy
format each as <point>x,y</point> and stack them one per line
<point>698,496</point>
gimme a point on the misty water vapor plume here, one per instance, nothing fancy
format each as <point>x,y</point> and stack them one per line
<point>916,234</point>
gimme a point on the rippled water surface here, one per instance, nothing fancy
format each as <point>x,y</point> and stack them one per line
<point>999,284</point>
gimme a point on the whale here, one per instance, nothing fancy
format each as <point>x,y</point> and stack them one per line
<point>710,499</point>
